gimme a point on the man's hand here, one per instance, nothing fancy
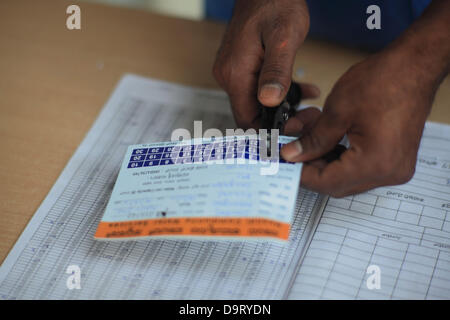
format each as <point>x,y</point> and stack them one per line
<point>381,104</point>
<point>257,55</point>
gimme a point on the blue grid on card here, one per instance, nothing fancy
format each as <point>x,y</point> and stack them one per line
<point>197,153</point>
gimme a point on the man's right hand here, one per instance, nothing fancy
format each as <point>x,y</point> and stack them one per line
<point>257,54</point>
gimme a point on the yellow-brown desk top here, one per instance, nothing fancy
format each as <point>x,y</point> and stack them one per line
<point>53,83</point>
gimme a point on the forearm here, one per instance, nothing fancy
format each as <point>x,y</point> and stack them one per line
<point>425,46</point>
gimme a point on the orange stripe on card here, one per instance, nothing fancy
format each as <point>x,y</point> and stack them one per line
<point>229,227</point>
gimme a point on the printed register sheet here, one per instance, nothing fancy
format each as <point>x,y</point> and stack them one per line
<point>61,232</point>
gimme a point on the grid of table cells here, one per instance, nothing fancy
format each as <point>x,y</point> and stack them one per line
<point>198,153</point>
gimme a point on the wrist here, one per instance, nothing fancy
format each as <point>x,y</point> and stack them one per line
<point>410,76</point>
<point>424,48</point>
<point>421,61</point>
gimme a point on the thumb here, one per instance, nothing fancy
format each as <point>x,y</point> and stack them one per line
<point>276,72</point>
<point>321,139</point>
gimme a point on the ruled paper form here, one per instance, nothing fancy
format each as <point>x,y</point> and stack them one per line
<point>61,233</point>
<point>404,230</point>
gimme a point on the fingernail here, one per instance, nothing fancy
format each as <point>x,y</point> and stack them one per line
<point>272,91</point>
<point>292,150</point>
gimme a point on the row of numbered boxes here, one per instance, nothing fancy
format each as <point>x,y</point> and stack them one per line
<point>238,145</point>
<point>148,157</point>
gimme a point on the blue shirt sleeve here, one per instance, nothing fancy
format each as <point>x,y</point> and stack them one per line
<point>344,21</point>
<point>219,9</point>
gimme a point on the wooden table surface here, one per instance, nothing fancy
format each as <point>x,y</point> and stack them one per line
<point>53,83</point>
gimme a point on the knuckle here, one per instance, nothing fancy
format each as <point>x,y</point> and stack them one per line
<point>222,72</point>
<point>284,24</point>
<point>287,24</point>
<point>312,142</point>
<point>274,70</point>
<point>278,24</point>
